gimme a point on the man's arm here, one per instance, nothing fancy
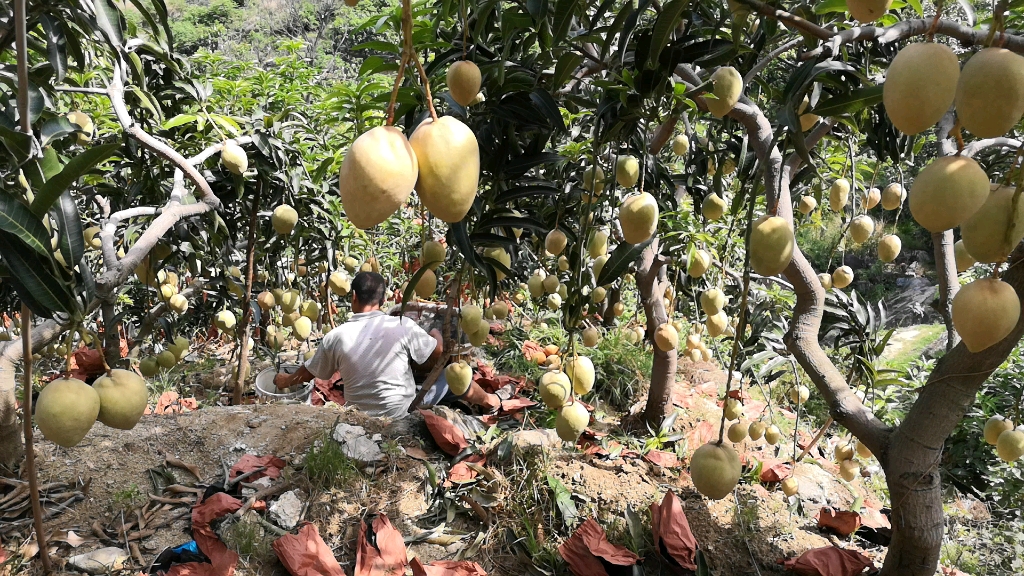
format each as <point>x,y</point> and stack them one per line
<point>436,354</point>
<point>301,376</point>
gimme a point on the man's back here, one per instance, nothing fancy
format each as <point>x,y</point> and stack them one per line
<point>371,352</point>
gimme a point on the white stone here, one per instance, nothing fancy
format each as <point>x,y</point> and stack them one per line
<point>102,561</point>
<point>356,445</point>
<point>286,510</point>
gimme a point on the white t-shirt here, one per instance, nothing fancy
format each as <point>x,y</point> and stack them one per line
<point>371,352</point>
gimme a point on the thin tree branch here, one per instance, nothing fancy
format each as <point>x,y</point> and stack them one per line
<point>979,145</point>
<point>769,58</point>
<point>81,90</point>
<point>884,35</point>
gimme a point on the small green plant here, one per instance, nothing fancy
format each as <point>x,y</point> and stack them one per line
<point>664,435</point>
<point>127,499</point>
<point>327,466</point>
<point>248,537</point>
<point>391,448</point>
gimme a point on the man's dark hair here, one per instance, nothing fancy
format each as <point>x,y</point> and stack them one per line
<point>369,287</point>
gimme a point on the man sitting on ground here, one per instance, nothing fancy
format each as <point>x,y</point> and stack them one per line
<point>372,352</point>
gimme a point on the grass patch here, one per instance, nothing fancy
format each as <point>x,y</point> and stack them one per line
<point>250,540</point>
<point>327,466</point>
<point>899,355</point>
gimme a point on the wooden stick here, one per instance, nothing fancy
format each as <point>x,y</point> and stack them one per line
<point>26,339</point>
<point>262,494</point>
<point>174,501</point>
<point>817,437</point>
<point>242,340</point>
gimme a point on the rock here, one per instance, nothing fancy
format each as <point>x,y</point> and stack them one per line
<point>286,510</point>
<point>258,485</point>
<point>818,487</point>
<point>543,438</point>
<point>912,303</point>
<point>356,445</point>
<point>102,561</point>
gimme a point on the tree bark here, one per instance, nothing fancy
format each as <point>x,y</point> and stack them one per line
<point>945,269</point>
<point>614,295</point>
<point>243,328</point>
<point>11,446</point>
<point>650,279</point>
<point>912,462</point>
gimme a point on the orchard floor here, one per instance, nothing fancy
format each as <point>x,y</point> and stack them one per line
<point>748,535</point>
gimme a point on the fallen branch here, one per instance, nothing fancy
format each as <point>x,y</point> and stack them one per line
<point>262,495</point>
<point>192,468</point>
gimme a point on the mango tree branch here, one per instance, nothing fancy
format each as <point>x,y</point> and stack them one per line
<point>115,91</point>
<point>949,285</point>
<point>802,339</point>
<point>942,244</point>
<point>884,35</point>
<point>978,145</point>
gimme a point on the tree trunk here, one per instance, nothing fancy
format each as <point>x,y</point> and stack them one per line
<point>915,490</point>
<point>614,295</point>
<point>11,447</point>
<point>650,279</point>
<point>242,369</point>
<point>945,269</point>
<point>111,337</point>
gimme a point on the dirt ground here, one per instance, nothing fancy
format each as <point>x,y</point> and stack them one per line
<point>739,537</point>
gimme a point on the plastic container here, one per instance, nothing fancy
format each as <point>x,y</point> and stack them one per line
<point>266,388</point>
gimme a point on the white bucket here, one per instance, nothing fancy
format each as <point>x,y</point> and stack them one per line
<point>266,388</point>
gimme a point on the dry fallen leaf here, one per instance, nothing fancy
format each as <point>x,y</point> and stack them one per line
<point>417,453</point>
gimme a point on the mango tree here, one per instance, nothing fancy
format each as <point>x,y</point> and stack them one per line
<point>565,88</point>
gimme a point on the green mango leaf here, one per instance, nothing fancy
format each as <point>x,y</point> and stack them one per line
<point>69,223</point>
<point>108,18</point>
<point>17,143</point>
<point>547,105</point>
<point>522,164</point>
<point>564,10</point>
<point>35,276</point>
<point>17,220</point>
<point>512,221</point>
<point>565,66</point>
<point>563,499</point>
<point>71,172</point>
<point>854,101</point>
<point>56,46</point>
<point>615,27</point>
<point>525,192</point>
<point>159,30</point>
<point>180,120</point>
<point>55,128</point>
<point>620,259</point>
<point>24,294</point>
<point>410,287</point>
<point>829,6</point>
<point>667,21</point>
